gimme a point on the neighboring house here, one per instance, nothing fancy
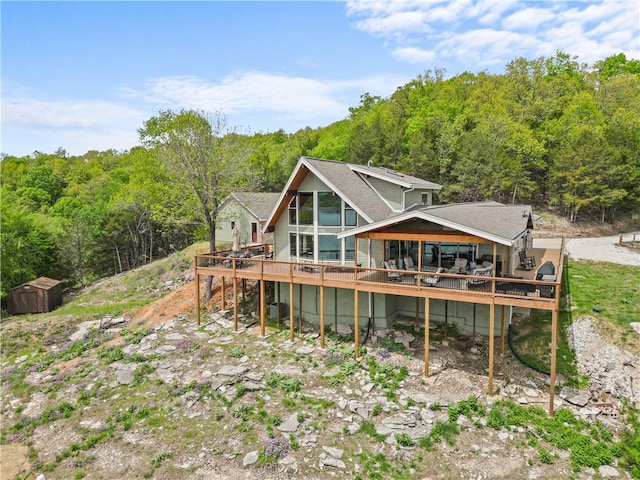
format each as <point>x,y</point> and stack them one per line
<point>37,296</point>
<point>249,212</point>
<point>360,246</point>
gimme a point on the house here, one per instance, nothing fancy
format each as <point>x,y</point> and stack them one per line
<point>248,211</point>
<point>360,246</point>
<point>37,296</point>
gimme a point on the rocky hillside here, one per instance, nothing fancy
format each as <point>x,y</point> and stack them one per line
<point>121,383</point>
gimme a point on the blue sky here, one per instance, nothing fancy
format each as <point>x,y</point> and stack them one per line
<point>86,75</point>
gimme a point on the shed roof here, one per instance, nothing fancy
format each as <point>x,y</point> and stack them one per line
<point>43,283</point>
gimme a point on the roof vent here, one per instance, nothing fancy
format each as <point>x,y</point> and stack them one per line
<point>392,172</point>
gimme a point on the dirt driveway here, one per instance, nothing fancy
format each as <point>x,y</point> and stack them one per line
<point>603,249</point>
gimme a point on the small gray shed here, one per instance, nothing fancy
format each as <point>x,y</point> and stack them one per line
<point>37,296</point>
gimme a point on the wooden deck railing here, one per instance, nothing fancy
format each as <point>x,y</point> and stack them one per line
<point>462,287</point>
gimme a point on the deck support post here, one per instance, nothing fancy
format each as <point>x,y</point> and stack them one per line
<point>335,310</point>
<point>502,330</point>
<point>446,317</point>
<point>322,308</point>
<point>262,308</point>
<point>235,304</point>
<point>291,312</point>
<point>492,324</point>
<point>373,313</point>
<point>356,327</point>
<point>300,309</point>
<point>197,277</point>
<point>322,317</point>
<point>223,293</point>
<point>426,336</point>
<point>278,300</point>
<point>554,352</point>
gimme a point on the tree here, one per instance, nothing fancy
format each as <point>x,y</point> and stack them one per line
<point>203,156</point>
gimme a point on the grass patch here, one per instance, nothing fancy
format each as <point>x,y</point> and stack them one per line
<point>531,343</point>
<point>589,444</point>
<point>611,287</point>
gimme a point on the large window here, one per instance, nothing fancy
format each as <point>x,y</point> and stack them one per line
<point>328,247</point>
<point>350,248</point>
<point>350,216</point>
<point>305,209</point>
<point>293,211</point>
<point>293,244</point>
<point>306,246</point>
<point>329,209</point>
<point>322,209</point>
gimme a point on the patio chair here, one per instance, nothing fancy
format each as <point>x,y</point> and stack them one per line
<point>409,265</point>
<point>526,263</point>
<point>432,280</point>
<point>482,273</point>
<point>393,276</point>
<point>459,265</point>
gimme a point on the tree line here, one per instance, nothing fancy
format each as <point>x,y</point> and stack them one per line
<point>549,132</point>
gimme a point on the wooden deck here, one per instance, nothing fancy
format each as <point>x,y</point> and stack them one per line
<point>523,292</point>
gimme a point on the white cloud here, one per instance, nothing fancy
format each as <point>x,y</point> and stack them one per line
<point>414,55</point>
<point>263,92</point>
<point>75,125</point>
<point>527,19</point>
<point>255,100</point>
<point>477,33</point>
<point>395,23</point>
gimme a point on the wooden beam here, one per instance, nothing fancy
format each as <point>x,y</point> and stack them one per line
<point>300,309</point>
<point>197,277</point>
<point>554,352</point>
<point>262,308</point>
<point>356,327</point>
<point>235,304</point>
<point>502,330</point>
<point>335,310</point>
<point>291,311</point>
<point>322,311</point>
<point>278,303</point>
<point>492,322</point>
<point>224,294</point>
<point>425,236</point>
<point>426,336</point>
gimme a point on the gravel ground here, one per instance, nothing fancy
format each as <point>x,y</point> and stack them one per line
<point>610,368</point>
<point>603,249</point>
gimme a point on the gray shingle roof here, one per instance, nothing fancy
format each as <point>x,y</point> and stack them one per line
<point>258,203</point>
<point>395,177</point>
<point>351,186</point>
<point>492,218</point>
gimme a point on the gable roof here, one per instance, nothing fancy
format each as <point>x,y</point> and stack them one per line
<point>259,204</point>
<point>43,283</point>
<point>349,182</point>
<point>493,221</point>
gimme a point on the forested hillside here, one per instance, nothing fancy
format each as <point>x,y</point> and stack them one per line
<point>550,132</point>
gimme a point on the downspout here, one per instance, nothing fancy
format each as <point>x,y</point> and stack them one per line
<point>404,197</point>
